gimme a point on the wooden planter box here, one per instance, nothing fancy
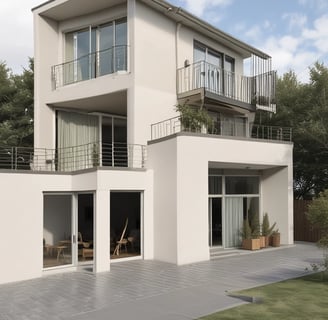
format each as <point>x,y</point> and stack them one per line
<point>262,242</point>
<point>267,241</point>
<point>275,240</point>
<point>251,244</point>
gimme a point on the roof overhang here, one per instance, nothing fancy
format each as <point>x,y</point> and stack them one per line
<point>60,10</point>
<point>63,9</point>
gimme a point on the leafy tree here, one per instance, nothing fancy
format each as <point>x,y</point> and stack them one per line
<point>318,216</point>
<point>16,106</point>
<point>304,108</point>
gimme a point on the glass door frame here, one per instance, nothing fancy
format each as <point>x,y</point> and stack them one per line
<point>74,227</point>
<point>223,195</point>
<point>210,216</point>
<point>76,224</point>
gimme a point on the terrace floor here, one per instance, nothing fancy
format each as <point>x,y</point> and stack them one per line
<point>150,289</point>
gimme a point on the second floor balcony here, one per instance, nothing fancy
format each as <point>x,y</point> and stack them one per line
<point>90,66</point>
<point>75,158</point>
<point>226,87</point>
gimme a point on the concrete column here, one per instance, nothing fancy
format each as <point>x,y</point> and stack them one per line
<point>101,232</point>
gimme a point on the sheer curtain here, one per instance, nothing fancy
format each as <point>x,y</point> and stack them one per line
<point>233,221</point>
<point>77,140</point>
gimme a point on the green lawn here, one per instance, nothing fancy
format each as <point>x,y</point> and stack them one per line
<point>299,299</point>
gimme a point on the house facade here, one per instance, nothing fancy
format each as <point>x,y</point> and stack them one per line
<point>115,172</point>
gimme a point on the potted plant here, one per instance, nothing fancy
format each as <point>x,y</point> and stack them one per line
<point>249,242</point>
<point>255,227</point>
<point>266,229</point>
<point>275,238</point>
<point>194,119</point>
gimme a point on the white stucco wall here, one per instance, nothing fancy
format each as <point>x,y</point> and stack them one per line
<point>46,50</point>
<point>21,232</point>
<point>154,93</point>
<point>21,229</point>
<point>277,191</point>
<point>163,160</point>
<point>190,157</point>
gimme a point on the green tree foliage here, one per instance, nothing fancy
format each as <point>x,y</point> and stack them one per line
<point>16,106</point>
<point>318,216</point>
<point>304,108</point>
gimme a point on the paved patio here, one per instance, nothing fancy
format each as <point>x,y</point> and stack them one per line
<point>151,289</point>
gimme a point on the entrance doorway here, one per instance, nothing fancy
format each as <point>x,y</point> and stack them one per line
<point>215,222</point>
<point>125,224</point>
<point>85,227</point>
<point>67,229</point>
<point>57,230</point>
<point>231,200</point>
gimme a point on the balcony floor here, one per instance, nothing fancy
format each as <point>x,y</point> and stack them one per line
<point>215,101</point>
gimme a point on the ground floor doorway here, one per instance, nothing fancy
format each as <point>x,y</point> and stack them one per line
<point>231,200</point>
<point>126,224</point>
<point>68,229</point>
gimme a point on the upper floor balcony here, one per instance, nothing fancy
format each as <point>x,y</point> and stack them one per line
<point>229,127</point>
<point>225,87</point>
<point>90,66</point>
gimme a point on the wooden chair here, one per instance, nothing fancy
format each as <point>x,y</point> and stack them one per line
<point>123,241</point>
<point>84,247</point>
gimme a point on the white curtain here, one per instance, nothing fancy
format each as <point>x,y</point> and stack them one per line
<point>233,221</point>
<point>77,141</point>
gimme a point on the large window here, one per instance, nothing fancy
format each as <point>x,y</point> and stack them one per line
<point>228,125</point>
<point>231,200</point>
<point>85,141</point>
<point>95,51</point>
<point>213,70</point>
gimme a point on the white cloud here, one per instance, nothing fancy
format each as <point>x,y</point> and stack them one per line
<point>198,7</point>
<point>295,20</point>
<point>254,33</point>
<point>319,5</point>
<point>289,54</point>
<point>319,34</point>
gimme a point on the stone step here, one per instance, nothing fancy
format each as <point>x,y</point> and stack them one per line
<point>216,253</point>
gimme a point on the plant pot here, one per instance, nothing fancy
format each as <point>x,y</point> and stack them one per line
<point>267,241</point>
<point>262,242</point>
<point>275,240</point>
<point>251,244</point>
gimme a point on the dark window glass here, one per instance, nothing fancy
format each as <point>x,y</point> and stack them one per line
<point>214,185</point>
<point>242,185</point>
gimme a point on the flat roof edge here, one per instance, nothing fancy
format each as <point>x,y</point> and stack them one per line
<point>41,5</point>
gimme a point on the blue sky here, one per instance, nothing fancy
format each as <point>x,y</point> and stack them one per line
<point>293,32</point>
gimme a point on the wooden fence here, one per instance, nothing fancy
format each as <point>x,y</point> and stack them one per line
<point>303,230</point>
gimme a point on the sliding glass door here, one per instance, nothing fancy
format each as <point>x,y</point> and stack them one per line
<point>95,51</point>
<point>68,229</point>
<point>233,221</point>
<point>57,230</point>
<point>231,200</point>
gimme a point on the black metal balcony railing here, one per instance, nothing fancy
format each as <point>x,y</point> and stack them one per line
<point>93,65</point>
<point>73,158</point>
<point>230,127</point>
<point>256,90</point>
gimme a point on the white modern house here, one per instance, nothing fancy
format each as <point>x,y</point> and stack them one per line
<point>115,174</point>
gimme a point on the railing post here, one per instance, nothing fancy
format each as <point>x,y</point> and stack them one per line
<point>15,158</point>
<point>113,155</point>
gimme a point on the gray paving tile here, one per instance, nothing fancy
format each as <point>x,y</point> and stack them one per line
<point>151,289</point>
